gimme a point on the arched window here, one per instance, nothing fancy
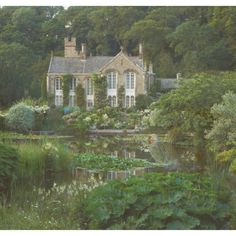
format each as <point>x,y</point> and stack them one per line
<point>89,104</point>
<point>129,80</point>
<point>112,101</point>
<point>109,100</point>
<point>112,80</point>
<point>127,98</point>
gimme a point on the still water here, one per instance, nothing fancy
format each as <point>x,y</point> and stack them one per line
<point>169,156</point>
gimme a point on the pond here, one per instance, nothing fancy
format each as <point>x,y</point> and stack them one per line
<point>46,196</point>
<point>169,157</point>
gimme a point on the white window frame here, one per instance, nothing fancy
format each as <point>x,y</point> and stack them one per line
<point>130,80</point>
<point>58,92</point>
<point>127,101</point>
<point>90,104</point>
<point>73,84</point>
<point>112,80</point>
<point>89,87</point>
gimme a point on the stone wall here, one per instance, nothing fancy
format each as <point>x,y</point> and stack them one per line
<point>121,64</point>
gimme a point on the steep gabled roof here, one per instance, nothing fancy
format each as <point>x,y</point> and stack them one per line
<point>135,60</point>
<point>93,64</point>
<point>76,65</point>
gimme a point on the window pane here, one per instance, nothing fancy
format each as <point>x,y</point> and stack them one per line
<point>90,103</point>
<point>109,80</point>
<point>132,101</point>
<point>132,80</point>
<point>127,81</point>
<point>58,84</point>
<point>89,87</point>
<point>114,80</point>
<point>72,84</point>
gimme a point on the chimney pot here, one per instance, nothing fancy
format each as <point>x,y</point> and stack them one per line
<point>140,50</point>
<point>83,50</point>
<point>150,68</point>
<point>178,76</point>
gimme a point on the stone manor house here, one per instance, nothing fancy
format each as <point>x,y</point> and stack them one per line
<point>120,70</point>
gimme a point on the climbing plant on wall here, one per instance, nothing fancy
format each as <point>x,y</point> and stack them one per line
<point>80,96</point>
<point>66,88</point>
<point>121,96</point>
<point>100,91</point>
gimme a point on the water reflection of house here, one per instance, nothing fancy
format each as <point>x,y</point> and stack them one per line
<point>124,154</point>
<point>128,154</point>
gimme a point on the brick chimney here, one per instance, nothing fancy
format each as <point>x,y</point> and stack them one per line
<point>150,68</point>
<point>70,47</point>
<point>140,50</point>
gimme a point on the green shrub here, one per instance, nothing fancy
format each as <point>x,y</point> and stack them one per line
<point>8,167</point>
<point>54,120</point>
<point>155,201</point>
<point>20,117</point>
<point>142,101</point>
<point>105,163</point>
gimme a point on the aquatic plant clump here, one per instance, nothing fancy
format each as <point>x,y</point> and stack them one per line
<point>101,162</point>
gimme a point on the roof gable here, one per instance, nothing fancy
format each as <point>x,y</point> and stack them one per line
<point>121,60</point>
<point>94,64</point>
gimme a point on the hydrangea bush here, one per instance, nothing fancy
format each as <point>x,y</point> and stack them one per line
<point>20,117</point>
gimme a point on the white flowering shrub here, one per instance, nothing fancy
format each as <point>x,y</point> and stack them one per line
<point>50,150</point>
<point>20,117</point>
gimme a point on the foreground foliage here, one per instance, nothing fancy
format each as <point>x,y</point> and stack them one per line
<point>187,110</point>
<point>156,201</point>
<point>40,209</point>
<point>223,133</point>
<point>8,167</point>
<point>222,136</point>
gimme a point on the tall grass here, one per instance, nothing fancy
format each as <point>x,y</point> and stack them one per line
<point>46,209</point>
<point>33,158</point>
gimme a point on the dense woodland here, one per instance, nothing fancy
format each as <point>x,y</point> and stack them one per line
<point>175,39</point>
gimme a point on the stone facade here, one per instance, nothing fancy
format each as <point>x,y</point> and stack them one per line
<point>120,70</point>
